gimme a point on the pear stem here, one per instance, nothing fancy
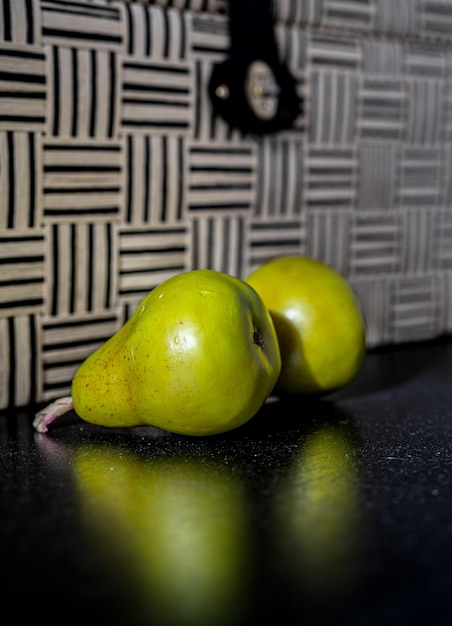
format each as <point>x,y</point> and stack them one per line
<point>51,412</point>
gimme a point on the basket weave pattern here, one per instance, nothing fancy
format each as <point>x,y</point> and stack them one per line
<point>115,174</point>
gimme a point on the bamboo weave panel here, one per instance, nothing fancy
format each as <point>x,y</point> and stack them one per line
<point>115,175</point>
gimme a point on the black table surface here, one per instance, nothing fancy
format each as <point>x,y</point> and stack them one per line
<point>320,511</point>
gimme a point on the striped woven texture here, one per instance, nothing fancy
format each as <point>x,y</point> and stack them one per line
<point>115,174</point>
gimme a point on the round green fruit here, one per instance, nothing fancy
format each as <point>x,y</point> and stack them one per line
<point>199,356</point>
<point>319,323</point>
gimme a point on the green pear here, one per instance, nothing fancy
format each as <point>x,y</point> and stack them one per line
<point>319,323</point>
<point>199,356</point>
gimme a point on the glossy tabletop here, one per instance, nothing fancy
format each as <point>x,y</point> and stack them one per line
<point>328,511</point>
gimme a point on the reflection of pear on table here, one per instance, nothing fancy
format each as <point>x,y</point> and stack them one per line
<point>199,356</point>
<point>318,517</point>
<point>174,531</point>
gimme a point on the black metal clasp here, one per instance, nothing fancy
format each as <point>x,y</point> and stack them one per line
<point>253,90</point>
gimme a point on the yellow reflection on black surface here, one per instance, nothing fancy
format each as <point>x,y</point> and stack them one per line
<point>318,517</point>
<point>175,530</point>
